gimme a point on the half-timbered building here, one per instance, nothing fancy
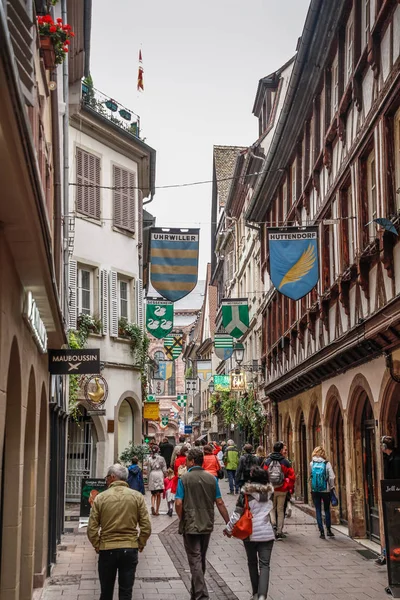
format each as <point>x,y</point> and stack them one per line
<point>334,161</point>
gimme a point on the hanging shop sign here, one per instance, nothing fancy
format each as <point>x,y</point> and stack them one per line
<point>74,362</point>
<point>159,386</point>
<point>293,256</point>
<point>90,488</point>
<point>165,369</point>
<point>151,411</point>
<point>164,421</point>
<point>95,391</point>
<point>223,345</point>
<point>222,383</point>
<point>235,316</point>
<point>238,382</point>
<point>173,345</point>
<point>188,429</point>
<point>159,317</point>
<point>390,489</point>
<point>191,385</point>
<point>32,317</point>
<point>151,398</point>
<point>181,400</point>
<point>204,370</point>
<point>174,256</point>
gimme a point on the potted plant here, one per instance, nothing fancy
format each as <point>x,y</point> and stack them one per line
<point>89,324</point>
<point>54,40</point>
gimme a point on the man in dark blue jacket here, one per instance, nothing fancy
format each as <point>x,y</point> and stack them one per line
<point>135,477</point>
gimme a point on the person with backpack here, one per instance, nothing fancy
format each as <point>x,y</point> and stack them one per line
<point>322,483</point>
<point>246,462</point>
<point>180,462</point>
<point>135,477</point>
<point>231,462</point>
<point>282,478</point>
<point>157,469</point>
<point>257,493</point>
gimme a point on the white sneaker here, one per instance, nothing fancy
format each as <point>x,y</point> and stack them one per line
<point>261,597</point>
<point>288,512</point>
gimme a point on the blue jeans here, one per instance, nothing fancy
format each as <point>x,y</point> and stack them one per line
<point>318,499</point>
<point>232,480</point>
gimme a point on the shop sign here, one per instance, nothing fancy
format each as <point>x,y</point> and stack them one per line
<point>188,429</point>
<point>96,391</point>
<point>390,489</point>
<point>74,362</point>
<point>90,488</point>
<point>151,411</point>
<point>35,323</point>
<point>238,382</point>
<point>222,383</point>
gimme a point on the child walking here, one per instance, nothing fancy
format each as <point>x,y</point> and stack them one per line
<point>170,486</point>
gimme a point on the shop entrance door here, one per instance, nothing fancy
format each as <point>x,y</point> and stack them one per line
<point>370,472</point>
<point>304,460</point>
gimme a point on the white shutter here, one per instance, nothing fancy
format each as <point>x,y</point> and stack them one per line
<point>72,293</point>
<point>113,304</point>
<point>139,303</point>
<point>104,300</point>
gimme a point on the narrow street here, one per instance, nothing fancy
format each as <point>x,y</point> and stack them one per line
<point>304,567</point>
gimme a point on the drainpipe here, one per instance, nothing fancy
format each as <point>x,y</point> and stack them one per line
<point>65,172</point>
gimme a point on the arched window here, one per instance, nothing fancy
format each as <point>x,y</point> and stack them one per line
<point>159,355</point>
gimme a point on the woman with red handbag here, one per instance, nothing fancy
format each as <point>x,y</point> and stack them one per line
<point>250,522</point>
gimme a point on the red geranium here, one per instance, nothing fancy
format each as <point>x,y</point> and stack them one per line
<point>53,29</point>
<point>58,33</point>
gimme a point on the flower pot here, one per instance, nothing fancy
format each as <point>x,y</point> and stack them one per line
<point>47,52</point>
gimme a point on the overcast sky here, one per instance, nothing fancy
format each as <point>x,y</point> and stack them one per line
<point>202,62</point>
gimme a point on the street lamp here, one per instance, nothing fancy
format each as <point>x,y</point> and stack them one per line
<point>211,386</point>
<point>239,355</point>
<point>190,410</point>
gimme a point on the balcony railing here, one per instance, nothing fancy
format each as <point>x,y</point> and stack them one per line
<point>111,109</point>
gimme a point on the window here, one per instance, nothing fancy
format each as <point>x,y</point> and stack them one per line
<point>348,50</point>
<point>87,178</point>
<point>124,299</point>
<point>284,198</point>
<point>293,183</point>
<point>371,194</point>
<point>334,86</point>
<point>397,154</point>
<point>124,199</point>
<point>158,356</point>
<point>85,291</point>
<point>365,22</point>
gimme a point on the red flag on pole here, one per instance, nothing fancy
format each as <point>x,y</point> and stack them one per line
<point>140,83</point>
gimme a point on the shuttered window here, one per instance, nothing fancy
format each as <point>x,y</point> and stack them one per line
<point>124,199</point>
<point>72,293</point>
<point>113,278</point>
<point>139,303</point>
<point>87,175</point>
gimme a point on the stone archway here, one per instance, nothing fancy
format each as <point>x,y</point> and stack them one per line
<point>390,408</point>
<point>288,437</point>
<point>302,456</point>
<point>128,399</point>
<point>12,481</point>
<point>362,455</point>
<point>29,494</point>
<point>336,448</point>
<point>41,493</point>
<point>315,427</point>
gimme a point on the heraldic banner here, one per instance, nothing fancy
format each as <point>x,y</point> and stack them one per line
<point>164,369</point>
<point>204,370</point>
<point>235,316</point>
<point>223,345</point>
<point>293,255</point>
<point>159,317</point>
<point>174,261</point>
<point>173,345</point>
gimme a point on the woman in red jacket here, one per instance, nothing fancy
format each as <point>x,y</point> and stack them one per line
<point>211,462</point>
<point>180,461</point>
<point>282,477</point>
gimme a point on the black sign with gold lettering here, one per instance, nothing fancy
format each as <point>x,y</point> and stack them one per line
<point>390,489</point>
<point>74,362</point>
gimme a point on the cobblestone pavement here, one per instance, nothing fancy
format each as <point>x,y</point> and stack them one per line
<point>303,566</point>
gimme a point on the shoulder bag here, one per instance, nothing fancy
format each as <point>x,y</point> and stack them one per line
<point>244,527</point>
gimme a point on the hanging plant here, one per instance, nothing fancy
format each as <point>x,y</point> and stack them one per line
<point>57,34</point>
<point>88,324</point>
<point>139,346</point>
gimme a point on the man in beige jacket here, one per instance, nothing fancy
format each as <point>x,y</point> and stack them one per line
<point>112,531</point>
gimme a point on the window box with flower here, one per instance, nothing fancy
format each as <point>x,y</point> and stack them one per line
<point>55,38</point>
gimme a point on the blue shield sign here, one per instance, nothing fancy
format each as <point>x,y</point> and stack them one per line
<point>174,261</point>
<point>293,255</point>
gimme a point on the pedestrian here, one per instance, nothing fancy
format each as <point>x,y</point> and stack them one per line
<point>196,495</point>
<point>177,449</point>
<point>246,462</point>
<point>391,470</point>
<point>156,470</point>
<point>211,462</point>
<point>135,477</point>
<point>322,483</point>
<point>198,444</point>
<point>261,455</point>
<point>288,506</point>
<point>170,485</point>
<point>282,478</point>
<point>180,462</point>
<point>166,450</point>
<point>112,530</point>
<point>231,461</point>
<point>259,544</point>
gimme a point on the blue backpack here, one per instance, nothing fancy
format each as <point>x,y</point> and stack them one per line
<point>318,476</point>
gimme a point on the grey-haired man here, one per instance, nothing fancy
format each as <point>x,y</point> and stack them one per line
<point>112,531</point>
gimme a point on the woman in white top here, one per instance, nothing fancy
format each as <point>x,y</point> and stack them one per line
<point>259,544</point>
<point>322,483</point>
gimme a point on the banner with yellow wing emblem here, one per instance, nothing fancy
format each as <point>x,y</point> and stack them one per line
<point>294,265</point>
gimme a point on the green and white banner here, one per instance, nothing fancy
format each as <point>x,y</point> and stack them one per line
<point>164,420</point>
<point>181,400</point>
<point>173,345</point>
<point>223,345</point>
<point>159,317</point>
<point>235,316</point>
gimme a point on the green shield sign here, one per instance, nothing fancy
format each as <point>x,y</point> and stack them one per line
<point>235,316</point>
<point>159,317</point>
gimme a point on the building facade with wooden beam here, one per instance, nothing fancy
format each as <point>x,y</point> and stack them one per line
<point>334,161</point>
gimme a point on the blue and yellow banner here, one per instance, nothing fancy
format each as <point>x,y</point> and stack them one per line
<point>293,255</point>
<point>174,255</point>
